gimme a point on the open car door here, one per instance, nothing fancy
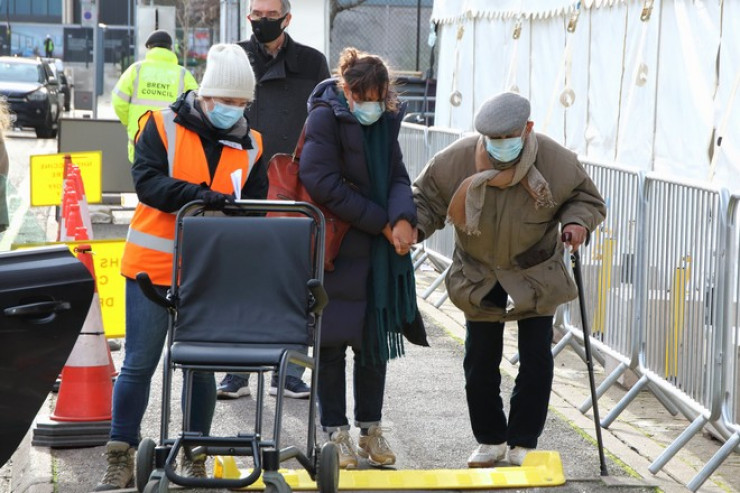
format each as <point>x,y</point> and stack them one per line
<point>45,294</point>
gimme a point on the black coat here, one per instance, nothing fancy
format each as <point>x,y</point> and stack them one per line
<point>334,171</point>
<point>150,172</point>
<point>283,86</point>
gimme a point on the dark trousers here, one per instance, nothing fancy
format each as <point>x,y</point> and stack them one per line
<point>531,394</point>
<point>369,387</point>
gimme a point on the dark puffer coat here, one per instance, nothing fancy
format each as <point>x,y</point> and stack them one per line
<point>334,171</point>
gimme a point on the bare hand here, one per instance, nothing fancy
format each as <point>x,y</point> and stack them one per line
<point>574,235</point>
<point>404,235</point>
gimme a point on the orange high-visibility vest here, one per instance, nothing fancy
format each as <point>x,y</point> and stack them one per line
<point>150,241</point>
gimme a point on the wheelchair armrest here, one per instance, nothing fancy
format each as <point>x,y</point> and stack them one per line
<point>146,286</point>
<point>319,298</point>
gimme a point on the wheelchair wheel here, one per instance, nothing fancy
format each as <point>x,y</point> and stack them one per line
<point>327,478</point>
<point>151,487</point>
<point>144,463</point>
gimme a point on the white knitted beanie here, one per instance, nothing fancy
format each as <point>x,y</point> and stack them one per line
<point>228,73</point>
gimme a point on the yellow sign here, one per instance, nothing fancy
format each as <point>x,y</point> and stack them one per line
<point>47,176</point>
<point>111,284</point>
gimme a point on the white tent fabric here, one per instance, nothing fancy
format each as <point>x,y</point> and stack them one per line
<point>652,94</point>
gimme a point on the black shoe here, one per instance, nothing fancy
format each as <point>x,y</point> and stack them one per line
<point>233,387</point>
<point>294,387</point>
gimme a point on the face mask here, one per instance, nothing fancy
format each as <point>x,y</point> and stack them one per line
<point>224,116</point>
<point>266,30</point>
<point>504,150</point>
<point>368,112</point>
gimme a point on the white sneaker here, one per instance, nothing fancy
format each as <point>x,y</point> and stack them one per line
<point>487,455</point>
<point>517,455</point>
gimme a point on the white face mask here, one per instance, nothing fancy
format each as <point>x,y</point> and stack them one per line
<point>505,150</point>
<point>367,112</point>
<point>224,116</point>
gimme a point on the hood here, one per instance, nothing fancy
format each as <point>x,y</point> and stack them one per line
<point>327,94</point>
<point>18,88</point>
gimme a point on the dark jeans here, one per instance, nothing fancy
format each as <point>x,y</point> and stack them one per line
<point>369,387</point>
<point>531,394</point>
<point>146,331</point>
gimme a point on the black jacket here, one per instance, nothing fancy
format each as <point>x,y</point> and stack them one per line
<point>283,86</point>
<point>150,172</point>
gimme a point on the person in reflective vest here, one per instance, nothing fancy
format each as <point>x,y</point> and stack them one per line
<point>183,153</point>
<point>48,46</point>
<point>150,84</point>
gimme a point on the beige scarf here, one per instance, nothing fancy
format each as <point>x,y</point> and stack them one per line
<point>467,202</point>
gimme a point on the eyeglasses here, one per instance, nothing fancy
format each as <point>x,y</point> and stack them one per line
<point>272,15</point>
<point>232,102</point>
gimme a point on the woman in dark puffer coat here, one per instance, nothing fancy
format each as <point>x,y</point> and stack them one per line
<point>352,163</point>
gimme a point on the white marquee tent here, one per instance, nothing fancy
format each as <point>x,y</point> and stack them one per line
<point>649,84</point>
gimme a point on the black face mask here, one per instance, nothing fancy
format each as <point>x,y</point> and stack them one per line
<point>266,30</point>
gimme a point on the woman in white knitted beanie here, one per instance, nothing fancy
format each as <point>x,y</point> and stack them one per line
<point>227,86</point>
<point>193,150</point>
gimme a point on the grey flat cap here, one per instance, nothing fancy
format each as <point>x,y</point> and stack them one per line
<point>503,114</point>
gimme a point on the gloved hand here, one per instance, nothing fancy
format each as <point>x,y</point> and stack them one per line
<point>215,200</point>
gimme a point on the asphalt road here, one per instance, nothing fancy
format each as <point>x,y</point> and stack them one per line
<point>425,416</point>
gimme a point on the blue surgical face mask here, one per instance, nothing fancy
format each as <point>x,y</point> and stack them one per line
<point>504,150</point>
<point>224,116</point>
<point>368,112</point>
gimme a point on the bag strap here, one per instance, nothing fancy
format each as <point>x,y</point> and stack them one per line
<point>302,137</point>
<point>299,145</point>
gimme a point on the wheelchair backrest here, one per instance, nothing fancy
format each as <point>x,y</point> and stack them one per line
<point>243,280</point>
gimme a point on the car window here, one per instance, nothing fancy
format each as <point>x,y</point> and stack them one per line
<point>19,72</point>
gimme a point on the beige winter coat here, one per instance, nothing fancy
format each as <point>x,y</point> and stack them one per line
<point>519,245</point>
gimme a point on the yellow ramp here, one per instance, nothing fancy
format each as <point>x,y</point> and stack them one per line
<point>540,468</point>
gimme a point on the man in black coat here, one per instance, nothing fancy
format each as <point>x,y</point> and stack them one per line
<point>286,74</point>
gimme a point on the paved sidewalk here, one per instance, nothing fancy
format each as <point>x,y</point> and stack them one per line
<point>429,432</point>
<point>636,438</point>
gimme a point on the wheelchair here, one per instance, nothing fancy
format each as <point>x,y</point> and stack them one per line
<point>246,294</point>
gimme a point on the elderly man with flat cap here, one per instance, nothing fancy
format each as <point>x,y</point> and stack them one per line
<point>510,194</point>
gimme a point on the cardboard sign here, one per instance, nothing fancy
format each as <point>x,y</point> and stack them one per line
<point>47,177</point>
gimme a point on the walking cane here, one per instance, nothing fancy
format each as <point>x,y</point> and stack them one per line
<point>575,258</point>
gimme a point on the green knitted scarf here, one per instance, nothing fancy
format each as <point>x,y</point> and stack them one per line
<point>391,291</point>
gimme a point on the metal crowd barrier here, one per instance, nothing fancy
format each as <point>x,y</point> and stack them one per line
<point>728,319</point>
<point>680,262</point>
<point>419,143</point>
<point>609,273</point>
<point>662,282</point>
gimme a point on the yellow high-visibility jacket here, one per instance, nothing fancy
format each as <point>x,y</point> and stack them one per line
<point>151,84</point>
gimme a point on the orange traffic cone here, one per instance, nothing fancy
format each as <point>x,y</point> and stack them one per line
<point>82,413</point>
<point>84,253</point>
<point>68,198</point>
<point>79,186</point>
<point>86,390</point>
<point>75,228</point>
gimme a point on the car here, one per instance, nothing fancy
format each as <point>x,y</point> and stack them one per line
<point>45,294</point>
<point>65,84</point>
<point>32,93</point>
